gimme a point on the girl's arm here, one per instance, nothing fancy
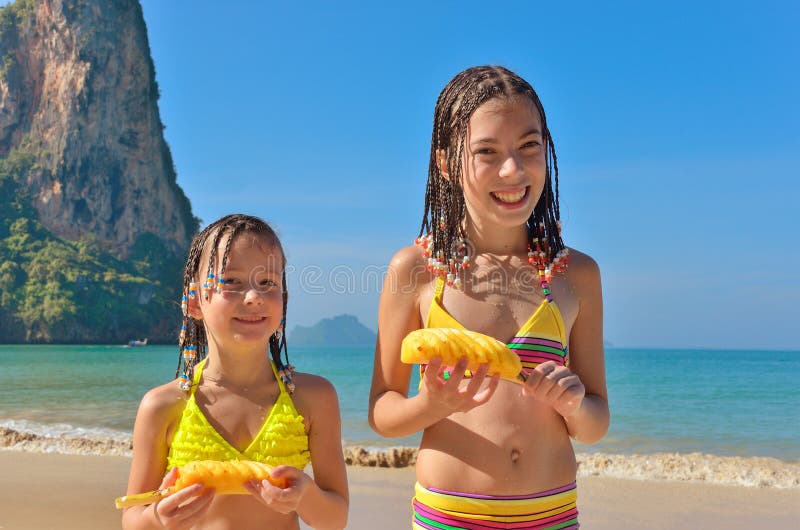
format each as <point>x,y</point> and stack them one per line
<point>157,411</point>
<point>578,392</point>
<point>589,423</point>
<point>391,412</point>
<point>325,503</point>
<point>322,502</point>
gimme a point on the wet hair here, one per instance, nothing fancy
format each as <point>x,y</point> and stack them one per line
<point>230,227</point>
<point>445,208</point>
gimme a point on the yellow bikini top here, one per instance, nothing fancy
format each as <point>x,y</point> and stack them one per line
<point>541,338</point>
<point>282,439</point>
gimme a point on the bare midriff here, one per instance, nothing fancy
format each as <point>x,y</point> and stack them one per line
<point>232,512</point>
<point>512,445</point>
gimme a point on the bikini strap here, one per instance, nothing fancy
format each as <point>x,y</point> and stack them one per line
<point>437,295</point>
<point>277,377</point>
<point>198,371</point>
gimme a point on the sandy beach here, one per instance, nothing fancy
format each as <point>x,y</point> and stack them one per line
<point>42,491</point>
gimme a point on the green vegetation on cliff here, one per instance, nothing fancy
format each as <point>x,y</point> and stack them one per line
<point>53,290</point>
<point>16,12</point>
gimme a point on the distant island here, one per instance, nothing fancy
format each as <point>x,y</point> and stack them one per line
<point>341,329</point>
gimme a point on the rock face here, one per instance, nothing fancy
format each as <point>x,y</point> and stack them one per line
<point>78,91</point>
<point>93,226</point>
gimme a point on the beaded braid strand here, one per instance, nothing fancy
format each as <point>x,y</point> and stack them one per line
<point>192,336</point>
<point>538,258</point>
<point>277,343</point>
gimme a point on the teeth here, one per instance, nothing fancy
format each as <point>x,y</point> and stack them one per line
<point>250,319</point>
<point>510,197</point>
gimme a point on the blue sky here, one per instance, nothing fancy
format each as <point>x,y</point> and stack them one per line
<point>676,128</point>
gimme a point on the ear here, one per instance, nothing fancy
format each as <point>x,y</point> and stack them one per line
<point>193,307</point>
<point>441,163</point>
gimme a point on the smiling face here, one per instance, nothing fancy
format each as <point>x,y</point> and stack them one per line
<point>248,307</point>
<point>504,163</point>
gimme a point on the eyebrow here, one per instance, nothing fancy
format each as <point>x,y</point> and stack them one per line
<point>490,140</point>
<point>265,270</point>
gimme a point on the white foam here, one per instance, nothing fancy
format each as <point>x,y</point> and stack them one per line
<point>53,430</point>
<point>23,435</point>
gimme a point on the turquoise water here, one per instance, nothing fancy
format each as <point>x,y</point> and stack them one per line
<point>741,403</point>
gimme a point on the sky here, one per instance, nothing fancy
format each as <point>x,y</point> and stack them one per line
<point>675,125</point>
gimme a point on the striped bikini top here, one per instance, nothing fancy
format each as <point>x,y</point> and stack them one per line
<point>541,338</point>
<point>282,439</point>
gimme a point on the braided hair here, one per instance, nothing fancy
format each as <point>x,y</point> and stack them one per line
<point>445,208</point>
<point>193,335</point>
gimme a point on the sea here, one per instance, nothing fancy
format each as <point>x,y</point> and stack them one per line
<point>721,416</point>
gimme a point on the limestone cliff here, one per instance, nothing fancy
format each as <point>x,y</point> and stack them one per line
<point>78,91</point>
<point>93,226</point>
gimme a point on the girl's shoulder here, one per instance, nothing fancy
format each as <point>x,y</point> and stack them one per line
<point>408,257</point>
<point>314,385</point>
<point>583,271</point>
<point>409,267</point>
<point>314,395</point>
<point>165,402</point>
<point>581,262</point>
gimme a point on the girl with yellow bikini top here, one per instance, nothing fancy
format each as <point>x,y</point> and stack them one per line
<point>490,258</point>
<point>236,398</point>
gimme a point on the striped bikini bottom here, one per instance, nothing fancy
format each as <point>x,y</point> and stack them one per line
<point>447,510</point>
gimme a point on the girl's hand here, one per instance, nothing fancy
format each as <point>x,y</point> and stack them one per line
<point>281,500</point>
<point>445,393</point>
<point>185,508</point>
<point>557,386</point>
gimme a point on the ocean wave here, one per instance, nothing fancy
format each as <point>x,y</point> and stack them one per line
<point>759,472</point>
<point>751,471</point>
<point>87,443</point>
<point>55,430</point>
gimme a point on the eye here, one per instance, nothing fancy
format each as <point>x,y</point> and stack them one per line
<point>269,285</point>
<point>485,151</point>
<point>531,144</point>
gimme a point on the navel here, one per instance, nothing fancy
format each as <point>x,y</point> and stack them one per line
<point>514,455</point>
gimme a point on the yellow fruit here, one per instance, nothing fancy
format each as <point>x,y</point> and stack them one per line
<point>422,345</point>
<point>225,478</point>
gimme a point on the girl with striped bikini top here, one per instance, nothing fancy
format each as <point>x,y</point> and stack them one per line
<point>493,453</point>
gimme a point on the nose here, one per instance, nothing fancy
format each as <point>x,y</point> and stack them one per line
<point>512,166</point>
<point>253,296</point>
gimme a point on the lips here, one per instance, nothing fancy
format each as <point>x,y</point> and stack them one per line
<point>511,197</point>
<point>251,319</point>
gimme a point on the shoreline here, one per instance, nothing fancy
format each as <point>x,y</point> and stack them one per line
<point>71,492</point>
<point>751,472</point>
